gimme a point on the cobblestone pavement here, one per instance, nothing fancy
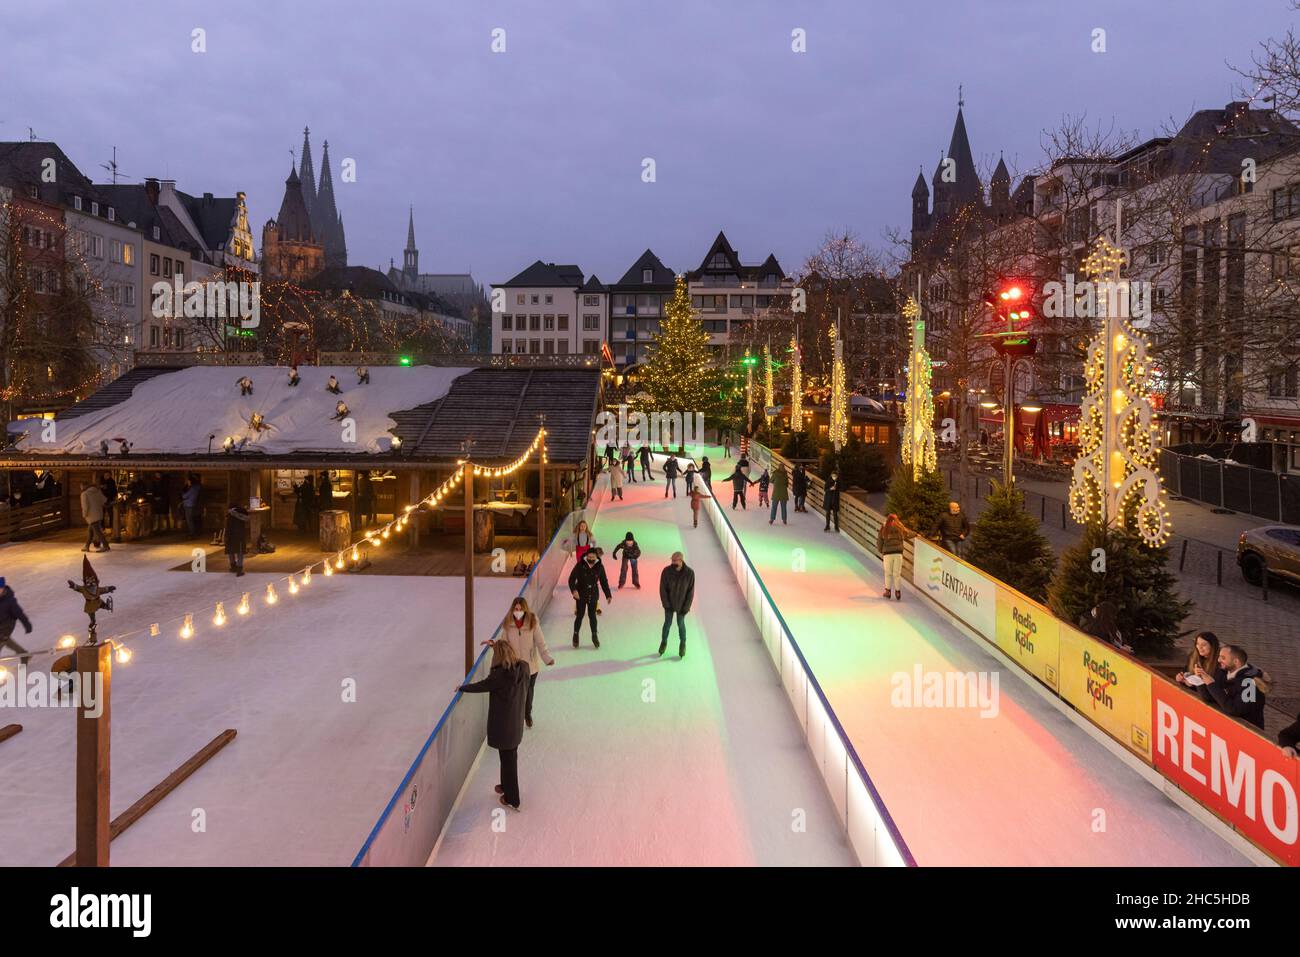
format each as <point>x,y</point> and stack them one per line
<point>1233,610</point>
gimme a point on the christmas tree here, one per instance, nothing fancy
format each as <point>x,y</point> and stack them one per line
<point>917,502</point>
<point>1006,543</point>
<point>860,464</point>
<point>678,376</point>
<point>1117,565</point>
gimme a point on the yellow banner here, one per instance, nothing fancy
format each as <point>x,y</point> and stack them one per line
<point>1108,688</point>
<point>1029,634</point>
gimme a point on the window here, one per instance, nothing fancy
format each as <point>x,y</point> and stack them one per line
<point>507,347</point>
<point>507,323</point>
<point>647,275</point>
<point>1286,201</point>
<point>1282,383</point>
<point>1157,254</point>
<point>590,321</point>
<point>549,299</point>
<point>548,323</point>
<point>562,323</point>
<point>153,264</point>
<point>563,347</point>
<point>519,299</point>
<point>180,269</point>
<point>128,294</point>
<point>167,267</point>
<point>590,301</point>
<point>115,251</point>
<point>521,346</point>
<point>97,246</point>
<point>534,300</point>
<point>37,280</point>
<point>112,215</point>
<point>157,234</point>
<point>76,203</point>
<point>180,338</point>
<point>153,337</point>
<point>548,347</point>
<point>128,253</point>
<point>590,347</point>
<point>534,323</point>
<point>94,208</point>
<point>534,347</point>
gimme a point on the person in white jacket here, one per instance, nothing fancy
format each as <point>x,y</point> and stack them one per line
<point>616,481</point>
<point>93,506</point>
<point>524,633</point>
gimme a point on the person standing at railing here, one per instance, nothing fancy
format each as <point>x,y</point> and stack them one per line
<point>831,500</point>
<point>780,493</point>
<point>524,632</point>
<point>506,686</point>
<point>706,473</point>
<point>890,540</point>
<point>676,593</point>
<point>953,528</point>
<point>799,481</point>
<point>1237,686</point>
<point>698,499</point>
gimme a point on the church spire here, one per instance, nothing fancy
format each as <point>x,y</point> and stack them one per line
<point>411,255</point>
<point>307,173</point>
<point>325,215</point>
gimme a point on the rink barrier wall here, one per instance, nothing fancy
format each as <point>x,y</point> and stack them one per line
<point>871,830</point>
<point>1224,765</point>
<point>408,829</point>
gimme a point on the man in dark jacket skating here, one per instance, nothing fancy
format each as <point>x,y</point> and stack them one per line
<point>676,592</point>
<point>644,455</point>
<point>586,582</point>
<point>740,483</point>
<point>10,614</point>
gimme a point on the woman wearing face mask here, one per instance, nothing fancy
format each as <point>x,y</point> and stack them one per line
<point>524,633</point>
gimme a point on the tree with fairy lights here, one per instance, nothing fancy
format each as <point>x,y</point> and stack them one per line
<point>839,412</point>
<point>678,376</point>
<point>918,415</point>
<point>1116,492</point>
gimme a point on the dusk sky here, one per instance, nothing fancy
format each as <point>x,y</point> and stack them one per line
<point>536,152</point>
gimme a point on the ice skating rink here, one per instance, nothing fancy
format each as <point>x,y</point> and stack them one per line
<point>1026,787</point>
<point>308,774</point>
<point>640,760</point>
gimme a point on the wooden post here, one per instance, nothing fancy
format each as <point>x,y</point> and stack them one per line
<point>93,760</point>
<point>469,565</point>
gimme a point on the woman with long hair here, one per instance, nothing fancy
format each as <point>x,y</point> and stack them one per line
<point>524,633</point>
<point>1204,655</point>
<point>507,688</point>
<point>890,540</point>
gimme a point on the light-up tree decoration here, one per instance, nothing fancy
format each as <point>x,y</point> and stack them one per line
<point>839,424</point>
<point>918,414</point>
<point>769,390</point>
<point>796,386</point>
<point>1116,481</point>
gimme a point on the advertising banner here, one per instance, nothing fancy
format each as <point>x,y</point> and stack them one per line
<point>968,594</point>
<point>1240,775</point>
<point>1029,634</point>
<point>1110,690</point>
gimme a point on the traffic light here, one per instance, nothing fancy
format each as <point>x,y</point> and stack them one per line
<point>1011,300</point>
<point>749,361</point>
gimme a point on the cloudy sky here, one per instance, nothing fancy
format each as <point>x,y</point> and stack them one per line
<point>536,152</point>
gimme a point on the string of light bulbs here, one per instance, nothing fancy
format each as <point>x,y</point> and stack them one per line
<point>294,583</point>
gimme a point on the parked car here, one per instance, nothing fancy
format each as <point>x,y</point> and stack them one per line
<point>1275,547</point>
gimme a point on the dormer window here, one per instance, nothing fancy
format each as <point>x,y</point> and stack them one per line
<point>94,208</point>
<point>112,214</point>
<point>647,276</point>
<point>720,261</point>
<point>157,233</point>
<point>76,203</point>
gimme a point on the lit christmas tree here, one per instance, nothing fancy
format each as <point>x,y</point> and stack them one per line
<point>1116,482</point>
<point>796,386</point>
<point>918,420</point>
<point>678,376</point>
<point>839,414</point>
<point>769,387</point>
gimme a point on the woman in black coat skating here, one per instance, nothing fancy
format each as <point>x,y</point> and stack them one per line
<point>507,689</point>
<point>799,485</point>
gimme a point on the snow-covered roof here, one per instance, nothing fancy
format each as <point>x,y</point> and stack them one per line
<point>174,413</point>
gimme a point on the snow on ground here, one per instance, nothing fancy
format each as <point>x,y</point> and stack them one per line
<point>711,771</point>
<point>177,411</point>
<point>308,775</point>
<point>1021,788</point>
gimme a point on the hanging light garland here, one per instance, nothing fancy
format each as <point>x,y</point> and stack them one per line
<point>1116,478</point>
<point>296,582</point>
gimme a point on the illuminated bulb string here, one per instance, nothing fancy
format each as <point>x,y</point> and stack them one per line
<point>296,582</point>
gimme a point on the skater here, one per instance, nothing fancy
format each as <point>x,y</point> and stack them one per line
<point>507,688</point>
<point>706,473</point>
<point>365,499</point>
<point>332,385</point>
<point>631,552</point>
<point>191,504</point>
<point>689,476</point>
<point>341,411</point>
<point>889,542</point>
<point>628,458</point>
<point>697,502</point>
<point>740,483</point>
<point>236,537</point>
<point>93,502</point>
<point>831,500</point>
<point>953,528</point>
<point>294,378</point>
<point>764,483</point>
<point>726,445</point>
<point>524,633</point>
<point>610,454</point>
<point>10,614</point>
<point>671,468</point>
<point>586,582</point>
<point>676,592</point>
<point>363,375</point>
<point>245,385</point>
<point>780,494</point>
<point>643,453</point>
<point>799,485</point>
<point>616,480</point>
<point>581,542</point>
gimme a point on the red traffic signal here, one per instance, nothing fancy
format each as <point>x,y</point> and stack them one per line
<point>1010,299</point>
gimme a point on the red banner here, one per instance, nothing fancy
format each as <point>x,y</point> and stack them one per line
<point>1235,772</point>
